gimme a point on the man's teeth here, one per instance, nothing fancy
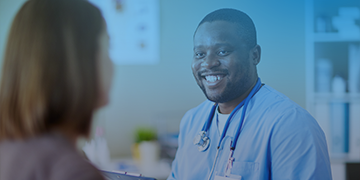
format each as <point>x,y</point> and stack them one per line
<point>212,78</point>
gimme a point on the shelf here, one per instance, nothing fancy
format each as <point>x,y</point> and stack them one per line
<point>330,97</point>
<point>333,46</point>
<point>344,160</point>
<point>333,37</point>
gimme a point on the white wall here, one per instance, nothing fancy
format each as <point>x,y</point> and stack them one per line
<point>8,9</point>
<point>149,94</point>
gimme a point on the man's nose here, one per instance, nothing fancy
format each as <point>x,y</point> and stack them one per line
<point>210,61</point>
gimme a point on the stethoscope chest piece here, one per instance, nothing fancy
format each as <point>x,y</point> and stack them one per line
<point>202,141</point>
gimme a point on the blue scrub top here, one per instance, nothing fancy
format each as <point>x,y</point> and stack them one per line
<point>279,140</point>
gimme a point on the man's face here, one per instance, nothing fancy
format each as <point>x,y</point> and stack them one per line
<point>222,63</point>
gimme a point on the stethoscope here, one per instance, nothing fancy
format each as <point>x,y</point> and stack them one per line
<point>203,141</point>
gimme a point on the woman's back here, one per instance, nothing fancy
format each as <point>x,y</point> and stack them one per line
<point>46,157</point>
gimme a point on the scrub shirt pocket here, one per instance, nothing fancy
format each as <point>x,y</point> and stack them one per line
<point>247,170</point>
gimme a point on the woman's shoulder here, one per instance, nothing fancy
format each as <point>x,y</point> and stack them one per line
<point>48,156</point>
<point>67,162</point>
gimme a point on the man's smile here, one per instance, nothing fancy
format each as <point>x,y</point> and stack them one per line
<point>213,79</point>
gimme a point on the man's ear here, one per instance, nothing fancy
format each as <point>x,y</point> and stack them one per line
<point>256,54</point>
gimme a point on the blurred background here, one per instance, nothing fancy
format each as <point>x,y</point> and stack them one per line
<point>155,90</point>
<point>160,93</point>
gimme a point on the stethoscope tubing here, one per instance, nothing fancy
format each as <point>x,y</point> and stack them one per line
<point>244,103</point>
<point>252,93</point>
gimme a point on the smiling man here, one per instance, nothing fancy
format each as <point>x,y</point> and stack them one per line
<point>245,130</point>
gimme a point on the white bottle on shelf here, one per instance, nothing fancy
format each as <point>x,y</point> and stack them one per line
<point>354,68</point>
<point>338,85</point>
<point>323,74</point>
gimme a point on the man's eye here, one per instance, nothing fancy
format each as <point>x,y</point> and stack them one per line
<point>223,53</point>
<point>199,55</point>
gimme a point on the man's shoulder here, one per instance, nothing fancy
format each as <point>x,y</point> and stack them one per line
<point>275,100</point>
<point>282,113</point>
<point>275,106</point>
<point>272,95</point>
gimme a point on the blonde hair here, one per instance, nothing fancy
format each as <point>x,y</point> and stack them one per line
<point>50,76</point>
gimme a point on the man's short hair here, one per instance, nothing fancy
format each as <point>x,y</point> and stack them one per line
<point>246,25</point>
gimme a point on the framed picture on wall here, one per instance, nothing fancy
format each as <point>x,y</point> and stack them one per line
<point>133,27</point>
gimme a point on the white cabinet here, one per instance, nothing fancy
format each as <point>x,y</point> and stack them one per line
<point>333,36</point>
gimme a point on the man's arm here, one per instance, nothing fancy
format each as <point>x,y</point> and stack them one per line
<point>298,148</point>
<point>175,164</point>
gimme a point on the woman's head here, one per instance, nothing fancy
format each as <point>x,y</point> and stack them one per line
<point>53,68</point>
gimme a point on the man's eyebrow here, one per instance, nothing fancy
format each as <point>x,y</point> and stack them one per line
<point>223,44</point>
<point>197,47</point>
<point>216,45</point>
